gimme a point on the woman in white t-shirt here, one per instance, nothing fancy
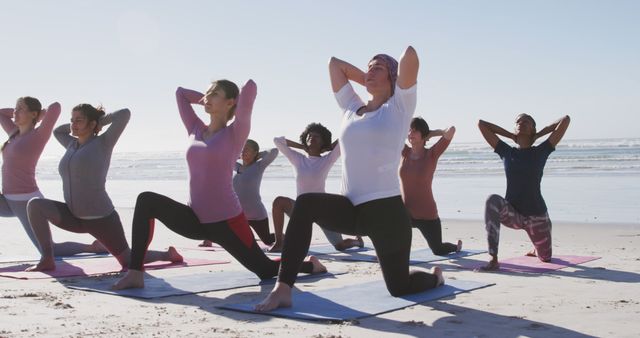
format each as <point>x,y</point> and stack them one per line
<point>371,140</point>
<point>311,171</point>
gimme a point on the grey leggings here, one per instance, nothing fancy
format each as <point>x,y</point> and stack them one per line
<point>10,208</point>
<point>108,230</point>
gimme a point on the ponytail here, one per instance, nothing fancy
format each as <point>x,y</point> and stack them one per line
<point>32,104</point>
<point>91,113</point>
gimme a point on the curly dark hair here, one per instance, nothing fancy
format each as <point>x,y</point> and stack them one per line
<point>316,128</point>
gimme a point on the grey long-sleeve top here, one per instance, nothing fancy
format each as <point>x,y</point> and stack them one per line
<point>246,184</point>
<point>84,168</point>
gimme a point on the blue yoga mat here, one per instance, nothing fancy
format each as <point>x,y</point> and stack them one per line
<point>185,284</point>
<point>326,249</point>
<point>417,256</point>
<point>356,301</point>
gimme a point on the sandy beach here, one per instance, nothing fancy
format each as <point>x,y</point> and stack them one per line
<point>599,298</point>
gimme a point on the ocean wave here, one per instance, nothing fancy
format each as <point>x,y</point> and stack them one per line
<point>573,157</point>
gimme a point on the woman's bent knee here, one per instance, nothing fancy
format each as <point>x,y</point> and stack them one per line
<point>396,291</point>
<point>493,200</point>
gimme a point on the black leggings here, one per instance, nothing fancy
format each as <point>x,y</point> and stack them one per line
<point>261,227</point>
<point>385,221</point>
<point>432,231</point>
<point>234,234</point>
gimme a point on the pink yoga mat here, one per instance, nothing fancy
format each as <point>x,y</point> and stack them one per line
<point>88,267</point>
<point>216,247</point>
<point>529,264</point>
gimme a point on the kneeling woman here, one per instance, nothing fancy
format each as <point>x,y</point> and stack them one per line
<point>20,154</point>
<point>214,211</point>
<point>87,207</point>
<point>371,139</point>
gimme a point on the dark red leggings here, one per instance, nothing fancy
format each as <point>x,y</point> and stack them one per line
<point>234,234</point>
<point>385,221</point>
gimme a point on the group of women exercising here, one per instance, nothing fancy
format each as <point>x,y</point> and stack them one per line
<point>378,200</point>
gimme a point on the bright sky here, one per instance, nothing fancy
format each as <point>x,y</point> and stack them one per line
<point>478,59</point>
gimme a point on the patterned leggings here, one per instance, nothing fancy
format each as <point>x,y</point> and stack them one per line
<point>538,227</point>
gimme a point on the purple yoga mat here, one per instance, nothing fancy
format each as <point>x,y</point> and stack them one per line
<point>529,264</point>
<point>86,267</point>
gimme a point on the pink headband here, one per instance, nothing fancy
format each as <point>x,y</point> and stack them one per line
<point>392,66</point>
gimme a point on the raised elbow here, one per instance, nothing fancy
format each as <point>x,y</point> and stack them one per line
<point>125,114</point>
<point>333,62</point>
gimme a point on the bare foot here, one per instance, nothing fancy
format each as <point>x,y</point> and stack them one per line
<point>493,265</point>
<point>279,297</point>
<point>342,245</point>
<point>317,266</point>
<point>45,264</point>
<point>174,256</point>
<point>360,242</point>
<point>349,243</point>
<point>532,253</point>
<point>96,247</point>
<point>437,271</point>
<point>134,279</point>
<point>459,246</point>
<point>277,247</point>
<point>206,244</point>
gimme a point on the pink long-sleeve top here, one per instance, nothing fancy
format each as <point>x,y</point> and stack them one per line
<point>21,154</point>
<point>211,162</point>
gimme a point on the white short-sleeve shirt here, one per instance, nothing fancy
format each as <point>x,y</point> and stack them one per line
<point>311,171</point>
<point>371,144</point>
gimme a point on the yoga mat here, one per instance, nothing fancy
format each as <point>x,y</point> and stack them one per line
<point>19,259</point>
<point>357,301</point>
<point>187,284</point>
<point>88,267</point>
<point>528,264</point>
<point>217,247</point>
<point>326,249</point>
<point>330,249</point>
<point>417,256</point>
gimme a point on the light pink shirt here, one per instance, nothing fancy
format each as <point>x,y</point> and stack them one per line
<point>311,171</point>
<point>211,162</point>
<point>21,154</point>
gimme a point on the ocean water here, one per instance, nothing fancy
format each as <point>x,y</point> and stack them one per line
<point>594,180</point>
